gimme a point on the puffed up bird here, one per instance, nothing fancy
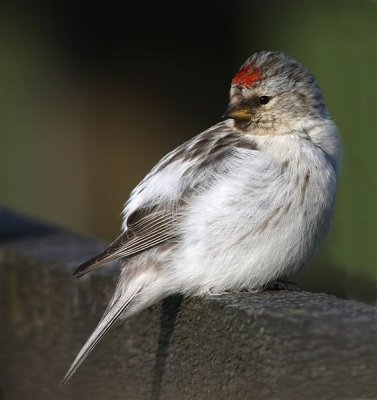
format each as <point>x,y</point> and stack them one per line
<point>243,204</point>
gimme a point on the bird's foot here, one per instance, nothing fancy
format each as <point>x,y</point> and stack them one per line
<point>283,285</point>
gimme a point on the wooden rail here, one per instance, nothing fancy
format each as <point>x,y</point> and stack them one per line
<point>269,345</point>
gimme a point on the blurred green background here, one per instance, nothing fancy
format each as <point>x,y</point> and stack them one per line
<point>94,93</point>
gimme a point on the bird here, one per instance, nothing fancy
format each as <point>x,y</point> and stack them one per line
<point>243,204</point>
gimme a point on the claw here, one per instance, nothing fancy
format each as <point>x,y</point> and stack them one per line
<point>283,285</point>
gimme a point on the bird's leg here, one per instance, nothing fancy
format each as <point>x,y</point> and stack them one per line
<point>281,284</point>
<point>278,284</point>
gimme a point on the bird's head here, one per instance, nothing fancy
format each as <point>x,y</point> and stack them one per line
<point>273,94</point>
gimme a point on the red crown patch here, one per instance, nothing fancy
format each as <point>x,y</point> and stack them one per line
<point>247,76</point>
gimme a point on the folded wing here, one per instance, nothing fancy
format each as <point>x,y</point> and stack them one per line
<point>146,228</point>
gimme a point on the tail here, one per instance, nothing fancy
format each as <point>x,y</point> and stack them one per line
<point>121,301</point>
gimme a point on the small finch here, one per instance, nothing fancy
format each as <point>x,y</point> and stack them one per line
<point>243,204</point>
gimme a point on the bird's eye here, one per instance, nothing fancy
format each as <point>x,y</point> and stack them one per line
<point>264,100</point>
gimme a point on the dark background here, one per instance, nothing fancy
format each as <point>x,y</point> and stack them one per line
<point>93,93</point>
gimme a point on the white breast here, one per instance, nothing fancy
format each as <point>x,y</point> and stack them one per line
<point>261,221</point>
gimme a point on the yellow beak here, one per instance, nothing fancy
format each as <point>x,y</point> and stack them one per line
<point>238,112</point>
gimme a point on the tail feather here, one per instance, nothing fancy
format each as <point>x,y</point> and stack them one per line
<point>109,318</point>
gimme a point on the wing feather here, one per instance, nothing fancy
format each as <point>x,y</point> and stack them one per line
<point>146,228</point>
<point>204,159</point>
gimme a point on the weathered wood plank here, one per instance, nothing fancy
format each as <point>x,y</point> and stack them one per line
<point>270,345</point>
